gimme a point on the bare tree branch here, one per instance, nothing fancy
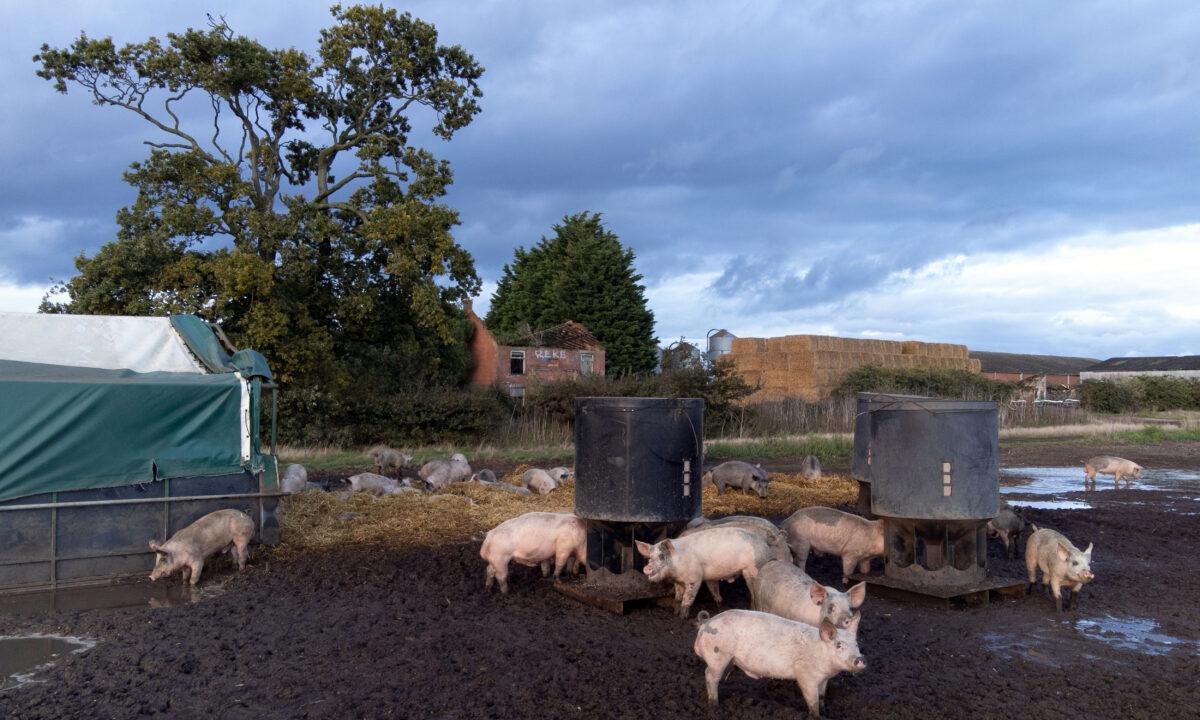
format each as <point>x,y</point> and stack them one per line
<point>216,106</point>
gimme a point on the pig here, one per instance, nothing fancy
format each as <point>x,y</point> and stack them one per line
<point>785,590</point>
<point>539,481</point>
<point>810,468</point>
<point>535,538</point>
<point>438,474</point>
<point>378,484</point>
<point>770,533</point>
<point>219,531</point>
<point>1007,526</point>
<point>561,474</point>
<point>487,478</point>
<point>768,646</point>
<point>1109,465</point>
<point>388,459</point>
<point>1061,563</point>
<point>484,476</point>
<point>720,553</point>
<point>294,480</point>
<point>831,531</point>
<point>738,474</point>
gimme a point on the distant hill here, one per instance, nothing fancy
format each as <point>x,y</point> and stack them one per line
<point>1031,364</point>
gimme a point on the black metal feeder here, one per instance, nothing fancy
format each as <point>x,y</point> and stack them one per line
<point>934,472</point>
<point>638,464</point>
<point>860,464</point>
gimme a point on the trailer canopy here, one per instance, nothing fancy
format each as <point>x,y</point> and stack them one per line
<point>91,402</point>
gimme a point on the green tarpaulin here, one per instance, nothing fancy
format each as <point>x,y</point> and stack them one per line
<point>202,341</point>
<point>70,428</point>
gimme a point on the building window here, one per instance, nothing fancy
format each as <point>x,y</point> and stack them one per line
<point>516,362</point>
<point>587,363</point>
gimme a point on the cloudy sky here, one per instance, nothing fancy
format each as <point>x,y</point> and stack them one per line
<point>1016,176</point>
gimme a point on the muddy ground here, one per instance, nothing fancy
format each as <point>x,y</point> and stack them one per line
<point>374,633</point>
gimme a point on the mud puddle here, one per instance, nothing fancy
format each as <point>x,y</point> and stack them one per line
<point>22,656</point>
<point>140,594</point>
<point>1087,639</point>
<point>1049,504</point>
<point>1059,480</point>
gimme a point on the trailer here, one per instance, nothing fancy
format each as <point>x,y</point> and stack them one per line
<point>118,430</point>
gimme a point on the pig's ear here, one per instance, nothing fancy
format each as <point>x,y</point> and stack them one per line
<point>644,548</point>
<point>667,547</point>
<point>1063,553</point>
<point>828,631</point>
<point>858,594</point>
<point>853,626</point>
<point>1088,552</point>
<point>155,546</point>
<point>816,591</point>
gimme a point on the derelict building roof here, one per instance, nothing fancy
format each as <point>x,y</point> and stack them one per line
<point>568,336</point>
<point>1000,362</point>
<point>1144,364</point>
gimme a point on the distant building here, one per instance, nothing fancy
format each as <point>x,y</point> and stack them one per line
<point>556,353</point>
<point>1119,368</point>
<point>1060,371</point>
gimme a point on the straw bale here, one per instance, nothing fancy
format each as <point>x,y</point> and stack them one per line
<point>776,378</point>
<point>910,347</point>
<point>801,362</point>
<point>776,345</point>
<point>749,345</point>
<point>976,366</point>
<point>774,361</point>
<point>749,361</point>
<point>797,343</point>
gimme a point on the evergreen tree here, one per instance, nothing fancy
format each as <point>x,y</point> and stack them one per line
<point>582,273</point>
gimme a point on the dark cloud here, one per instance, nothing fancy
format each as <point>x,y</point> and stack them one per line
<point>805,151</point>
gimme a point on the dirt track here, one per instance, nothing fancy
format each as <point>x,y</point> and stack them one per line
<point>368,633</point>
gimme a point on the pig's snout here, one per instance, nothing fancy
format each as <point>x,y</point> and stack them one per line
<point>647,570</point>
<point>860,663</point>
<point>1087,575</point>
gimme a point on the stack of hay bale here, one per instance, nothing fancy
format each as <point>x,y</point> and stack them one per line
<point>809,367</point>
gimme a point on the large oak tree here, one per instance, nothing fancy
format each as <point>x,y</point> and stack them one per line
<point>281,196</point>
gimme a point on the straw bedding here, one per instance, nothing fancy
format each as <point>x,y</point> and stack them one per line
<point>318,520</point>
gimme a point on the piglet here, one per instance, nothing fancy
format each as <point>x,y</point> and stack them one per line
<point>389,459</point>
<point>826,530</point>
<point>785,590</point>
<point>223,530</point>
<point>810,469</point>
<point>738,474</point>
<point>294,480</point>
<point>535,538</point>
<point>438,474</point>
<point>768,646</point>
<point>1008,526</point>
<point>1109,465</point>
<point>770,533</point>
<point>539,481</point>
<point>378,484</point>
<point>715,554</point>
<point>1061,564</point>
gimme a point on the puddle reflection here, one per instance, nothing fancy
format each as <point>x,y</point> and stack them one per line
<point>23,656</point>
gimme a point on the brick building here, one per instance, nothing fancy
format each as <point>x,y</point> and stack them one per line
<point>556,353</point>
<point>1060,371</point>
